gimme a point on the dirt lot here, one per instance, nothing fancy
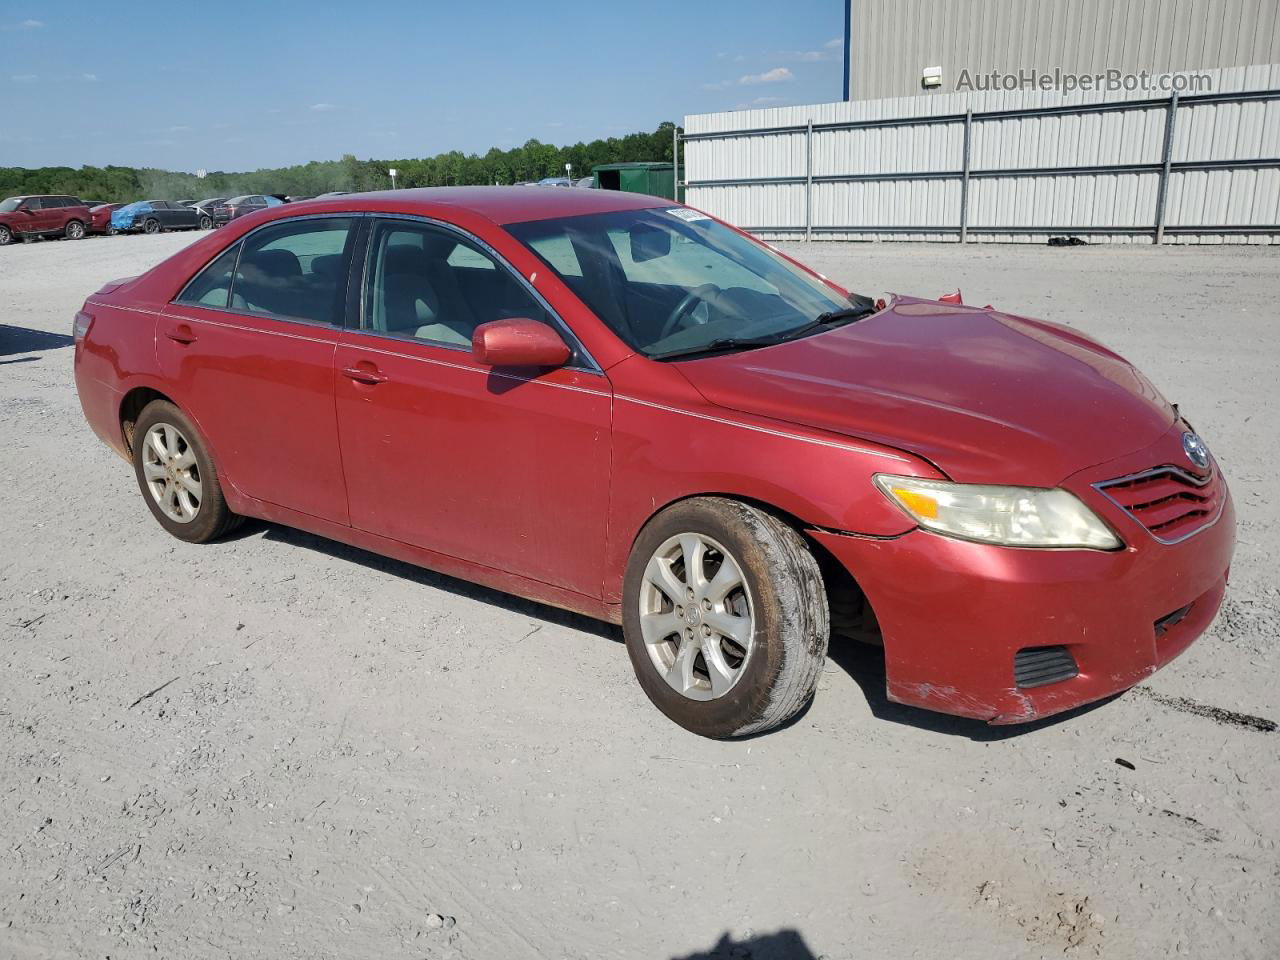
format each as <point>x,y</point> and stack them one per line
<point>277,746</point>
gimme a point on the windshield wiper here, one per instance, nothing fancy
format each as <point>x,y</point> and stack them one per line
<point>723,344</point>
<point>848,313</point>
<point>720,345</point>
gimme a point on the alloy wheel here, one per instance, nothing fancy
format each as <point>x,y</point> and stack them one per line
<point>696,616</point>
<point>172,472</point>
<point>5,236</point>
<point>75,230</point>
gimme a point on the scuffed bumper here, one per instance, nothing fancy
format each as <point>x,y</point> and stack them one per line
<point>953,614</point>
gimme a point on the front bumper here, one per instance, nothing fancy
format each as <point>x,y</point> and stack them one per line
<point>954,614</point>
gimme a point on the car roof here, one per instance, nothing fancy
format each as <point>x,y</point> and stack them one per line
<point>504,204</point>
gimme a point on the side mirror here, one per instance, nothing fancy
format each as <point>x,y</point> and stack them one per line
<point>648,242</point>
<point>518,342</point>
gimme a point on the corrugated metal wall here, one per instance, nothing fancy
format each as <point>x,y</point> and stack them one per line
<point>902,179</point>
<point>892,41</point>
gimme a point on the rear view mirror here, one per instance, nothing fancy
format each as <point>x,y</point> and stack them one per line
<point>518,342</point>
<point>648,242</point>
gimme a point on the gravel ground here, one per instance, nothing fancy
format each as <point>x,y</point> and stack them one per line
<point>277,746</point>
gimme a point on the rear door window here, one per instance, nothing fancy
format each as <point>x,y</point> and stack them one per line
<point>211,287</point>
<point>295,270</point>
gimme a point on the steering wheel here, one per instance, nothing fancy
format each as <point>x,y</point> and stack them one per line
<point>703,292</point>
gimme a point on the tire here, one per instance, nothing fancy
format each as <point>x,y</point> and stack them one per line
<point>781,594</point>
<point>206,222</point>
<point>6,236</point>
<point>210,517</point>
<point>74,230</point>
<point>151,225</point>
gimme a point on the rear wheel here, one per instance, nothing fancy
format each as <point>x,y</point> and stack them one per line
<point>151,226</point>
<point>74,230</point>
<point>725,617</point>
<point>6,236</point>
<point>206,222</point>
<point>177,475</point>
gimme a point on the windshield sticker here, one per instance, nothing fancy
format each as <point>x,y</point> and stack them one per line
<point>687,215</point>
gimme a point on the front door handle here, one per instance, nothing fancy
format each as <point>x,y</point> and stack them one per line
<point>367,373</point>
<point>181,333</point>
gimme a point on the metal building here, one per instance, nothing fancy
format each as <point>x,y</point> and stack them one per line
<point>891,44</point>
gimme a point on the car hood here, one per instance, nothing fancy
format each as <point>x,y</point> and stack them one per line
<point>985,396</point>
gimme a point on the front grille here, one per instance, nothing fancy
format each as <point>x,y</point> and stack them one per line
<point>1169,502</point>
<point>1037,666</point>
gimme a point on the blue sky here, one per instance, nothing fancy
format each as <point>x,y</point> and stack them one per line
<point>236,86</point>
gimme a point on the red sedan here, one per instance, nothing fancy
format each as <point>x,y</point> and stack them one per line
<point>622,406</point>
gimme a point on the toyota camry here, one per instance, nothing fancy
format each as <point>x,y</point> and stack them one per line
<point>622,406</point>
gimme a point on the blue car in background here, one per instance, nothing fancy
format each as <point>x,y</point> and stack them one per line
<point>154,216</point>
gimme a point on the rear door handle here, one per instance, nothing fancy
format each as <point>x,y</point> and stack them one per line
<point>364,374</point>
<point>181,333</point>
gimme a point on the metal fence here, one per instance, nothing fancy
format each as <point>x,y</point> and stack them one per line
<point>1203,167</point>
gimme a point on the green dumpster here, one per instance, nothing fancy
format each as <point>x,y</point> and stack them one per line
<point>654,179</point>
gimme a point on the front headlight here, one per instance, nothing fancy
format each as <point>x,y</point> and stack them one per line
<point>1010,516</point>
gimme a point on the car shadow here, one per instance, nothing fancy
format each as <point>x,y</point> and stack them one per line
<point>428,578</point>
<point>26,340</point>
<point>783,945</point>
<point>864,663</point>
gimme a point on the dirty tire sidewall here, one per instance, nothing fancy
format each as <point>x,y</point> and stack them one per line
<point>214,518</point>
<point>790,605</point>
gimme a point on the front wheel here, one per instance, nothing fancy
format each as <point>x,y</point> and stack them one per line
<point>75,230</point>
<point>725,617</point>
<point>177,476</point>
<point>151,226</point>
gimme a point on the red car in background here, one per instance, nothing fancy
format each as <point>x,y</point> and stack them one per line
<point>100,218</point>
<point>52,215</point>
<point>622,406</point>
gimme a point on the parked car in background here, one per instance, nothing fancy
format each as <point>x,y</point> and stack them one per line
<point>555,182</point>
<point>100,218</point>
<point>209,205</point>
<point>154,216</point>
<point>619,405</point>
<point>93,203</point>
<point>239,206</point>
<point>585,183</point>
<point>45,215</point>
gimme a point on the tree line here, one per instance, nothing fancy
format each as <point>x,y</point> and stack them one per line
<point>532,161</point>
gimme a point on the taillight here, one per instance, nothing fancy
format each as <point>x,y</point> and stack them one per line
<point>80,326</point>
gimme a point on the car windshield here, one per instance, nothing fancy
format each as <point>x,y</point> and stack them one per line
<point>11,204</point>
<point>673,282</point>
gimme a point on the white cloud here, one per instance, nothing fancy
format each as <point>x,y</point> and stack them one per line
<point>806,56</point>
<point>834,43</point>
<point>24,78</point>
<point>776,75</point>
<point>323,107</point>
<point>718,85</point>
<point>30,25</point>
<point>90,77</point>
<point>179,129</point>
<point>761,101</point>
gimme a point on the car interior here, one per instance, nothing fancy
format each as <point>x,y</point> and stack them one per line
<point>427,285</point>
